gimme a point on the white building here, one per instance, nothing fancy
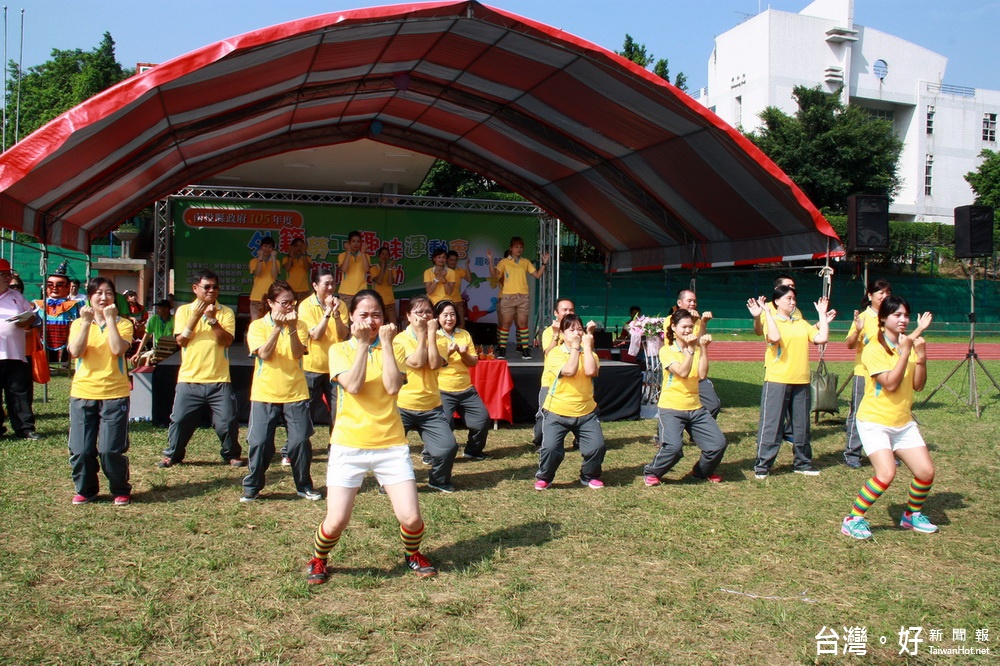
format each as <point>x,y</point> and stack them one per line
<point>944,128</point>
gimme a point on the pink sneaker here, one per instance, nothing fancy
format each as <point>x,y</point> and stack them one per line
<point>83,499</point>
<point>122,500</point>
<point>596,484</point>
<point>651,480</point>
<point>715,478</point>
<point>542,485</point>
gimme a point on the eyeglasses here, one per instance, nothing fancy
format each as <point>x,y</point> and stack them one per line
<point>286,304</point>
<point>209,287</point>
<point>6,273</point>
<point>56,285</point>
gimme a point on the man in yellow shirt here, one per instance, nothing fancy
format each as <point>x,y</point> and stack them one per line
<point>297,265</point>
<point>354,266</point>
<point>515,302</point>
<point>264,268</point>
<point>461,274</point>
<point>325,316</point>
<point>203,378</point>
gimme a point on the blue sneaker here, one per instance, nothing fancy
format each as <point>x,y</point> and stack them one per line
<point>917,522</point>
<point>856,527</point>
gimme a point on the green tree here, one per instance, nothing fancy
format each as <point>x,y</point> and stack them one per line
<point>449,180</point>
<point>632,50</point>
<point>985,180</point>
<point>59,84</point>
<point>829,150</point>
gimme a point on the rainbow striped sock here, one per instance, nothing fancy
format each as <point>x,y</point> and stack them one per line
<point>918,494</point>
<point>502,335</point>
<point>870,492</point>
<point>323,543</point>
<point>411,540</point>
<point>522,337</point>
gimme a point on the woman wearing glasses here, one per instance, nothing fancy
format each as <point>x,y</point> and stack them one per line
<point>278,341</point>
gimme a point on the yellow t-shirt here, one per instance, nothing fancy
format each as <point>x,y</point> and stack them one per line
<point>279,379</point>
<point>420,392</point>
<point>354,279</point>
<point>515,275</point>
<point>100,375</point>
<point>384,290</point>
<point>547,377</point>
<point>439,294</point>
<point>869,332</point>
<point>568,396</point>
<point>311,312</point>
<point>888,408</point>
<point>454,377</point>
<point>774,311</point>
<point>788,361</point>
<point>460,274</point>
<point>203,360</point>
<point>297,272</point>
<point>367,419</point>
<point>262,282</point>
<point>678,393</point>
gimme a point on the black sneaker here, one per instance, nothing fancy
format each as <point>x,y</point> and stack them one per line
<point>525,353</point>
<point>165,463</point>
<point>475,456</point>
<point>501,353</point>
<point>443,487</point>
<point>421,565</point>
<point>318,573</point>
<point>426,459</point>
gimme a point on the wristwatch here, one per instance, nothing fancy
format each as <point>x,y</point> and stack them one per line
<point>211,322</point>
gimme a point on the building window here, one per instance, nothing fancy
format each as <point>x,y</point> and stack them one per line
<point>882,114</point>
<point>990,127</point>
<point>738,111</point>
<point>930,120</point>
<point>928,173</point>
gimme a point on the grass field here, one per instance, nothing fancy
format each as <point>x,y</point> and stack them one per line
<point>743,572</point>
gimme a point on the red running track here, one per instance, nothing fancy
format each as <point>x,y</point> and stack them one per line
<point>722,350</point>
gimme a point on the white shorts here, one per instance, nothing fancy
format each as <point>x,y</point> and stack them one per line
<point>878,437</point>
<point>347,466</point>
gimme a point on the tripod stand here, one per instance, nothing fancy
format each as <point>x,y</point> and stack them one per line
<point>971,358</point>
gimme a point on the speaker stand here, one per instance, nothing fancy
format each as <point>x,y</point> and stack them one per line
<point>971,359</point>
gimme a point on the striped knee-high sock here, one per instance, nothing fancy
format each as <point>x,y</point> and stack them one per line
<point>870,492</point>
<point>502,335</point>
<point>323,543</point>
<point>411,540</point>
<point>522,337</point>
<point>918,493</point>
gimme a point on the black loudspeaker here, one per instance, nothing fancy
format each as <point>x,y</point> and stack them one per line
<point>867,223</point>
<point>973,232</point>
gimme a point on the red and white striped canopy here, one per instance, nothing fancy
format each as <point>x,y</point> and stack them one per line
<point>628,161</point>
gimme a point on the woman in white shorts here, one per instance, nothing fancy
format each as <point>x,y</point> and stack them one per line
<point>368,436</point>
<point>896,367</point>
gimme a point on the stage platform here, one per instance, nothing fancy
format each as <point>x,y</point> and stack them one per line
<point>617,389</point>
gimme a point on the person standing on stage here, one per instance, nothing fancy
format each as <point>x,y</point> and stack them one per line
<point>864,329</point>
<point>368,436</point>
<point>515,302</point>
<point>354,267</point>
<point>15,371</point>
<point>325,316</point>
<point>896,365</point>
<point>297,266</point>
<point>383,274</point>
<point>277,340</point>
<point>264,269</point>
<point>461,275</point>
<point>685,365</point>
<point>203,378</point>
<point>785,397</point>
<point>419,399</point>
<point>455,346</point>
<point>688,300</point>
<point>570,407</point>
<point>99,396</point>
<point>439,280</point>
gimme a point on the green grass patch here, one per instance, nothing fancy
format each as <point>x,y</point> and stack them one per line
<point>744,572</point>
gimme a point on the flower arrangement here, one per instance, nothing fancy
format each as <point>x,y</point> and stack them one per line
<point>643,326</point>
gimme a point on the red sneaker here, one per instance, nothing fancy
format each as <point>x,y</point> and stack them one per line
<point>421,565</point>
<point>318,573</point>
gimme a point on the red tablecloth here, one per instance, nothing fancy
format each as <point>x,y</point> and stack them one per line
<point>493,382</point>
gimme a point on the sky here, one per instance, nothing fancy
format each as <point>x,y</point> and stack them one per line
<point>680,30</point>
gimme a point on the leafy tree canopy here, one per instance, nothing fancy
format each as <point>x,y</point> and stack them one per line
<point>59,84</point>
<point>829,150</point>
<point>449,180</point>
<point>632,50</point>
<point>985,180</point>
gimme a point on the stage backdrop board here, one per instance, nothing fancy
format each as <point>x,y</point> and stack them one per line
<point>224,236</point>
